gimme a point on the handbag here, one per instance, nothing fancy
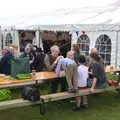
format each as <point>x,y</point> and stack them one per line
<point>20,66</point>
<point>89,83</point>
<point>31,93</point>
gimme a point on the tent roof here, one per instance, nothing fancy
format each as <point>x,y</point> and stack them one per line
<point>67,14</point>
<point>76,27</point>
<point>70,27</point>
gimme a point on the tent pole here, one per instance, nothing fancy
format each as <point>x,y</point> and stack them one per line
<point>116,53</point>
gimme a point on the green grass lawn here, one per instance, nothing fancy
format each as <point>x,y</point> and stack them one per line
<point>103,107</point>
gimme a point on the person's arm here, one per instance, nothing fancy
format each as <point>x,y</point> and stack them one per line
<point>95,74</point>
<point>49,66</point>
<point>94,83</point>
<point>3,60</point>
<point>58,68</point>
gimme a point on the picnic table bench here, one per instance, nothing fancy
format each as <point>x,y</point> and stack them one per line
<point>42,76</point>
<point>50,97</point>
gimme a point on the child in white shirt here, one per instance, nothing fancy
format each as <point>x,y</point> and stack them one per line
<point>82,82</point>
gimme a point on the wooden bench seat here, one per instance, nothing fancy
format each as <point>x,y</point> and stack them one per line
<point>66,95</point>
<point>16,103</point>
<point>49,97</point>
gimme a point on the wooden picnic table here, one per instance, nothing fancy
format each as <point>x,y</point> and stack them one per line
<point>112,70</point>
<point>39,78</point>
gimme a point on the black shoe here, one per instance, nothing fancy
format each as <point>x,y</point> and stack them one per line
<point>76,109</point>
<point>118,89</point>
<point>71,90</point>
<point>84,106</point>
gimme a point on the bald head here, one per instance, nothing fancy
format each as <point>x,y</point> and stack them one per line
<point>94,50</point>
<point>70,54</point>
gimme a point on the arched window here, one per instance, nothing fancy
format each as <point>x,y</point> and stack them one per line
<point>84,43</point>
<point>103,45</point>
<point>8,39</point>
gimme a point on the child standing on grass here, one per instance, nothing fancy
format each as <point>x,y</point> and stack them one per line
<point>82,82</point>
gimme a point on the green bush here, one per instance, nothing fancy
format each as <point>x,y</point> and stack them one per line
<point>5,94</point>
<point>111,76</point>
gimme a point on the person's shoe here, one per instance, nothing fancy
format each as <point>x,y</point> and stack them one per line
<point>84,106</point>
<point>76,109</point>
<point>71,90</point>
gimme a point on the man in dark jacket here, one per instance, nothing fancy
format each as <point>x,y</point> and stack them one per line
<point>5,63</point>
<point>39,60</point>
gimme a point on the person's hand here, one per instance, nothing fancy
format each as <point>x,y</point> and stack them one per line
<point>62,73</point>
<point>30,61</point>
<point>90,73</point>
<point>59,57</point>
<point>56,61</point>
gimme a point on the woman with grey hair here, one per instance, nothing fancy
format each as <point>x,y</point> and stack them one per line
<point>52,59</point>
<point>30,54</point>
<point>50,62</point>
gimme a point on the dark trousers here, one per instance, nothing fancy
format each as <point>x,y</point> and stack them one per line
<point>59,81</point>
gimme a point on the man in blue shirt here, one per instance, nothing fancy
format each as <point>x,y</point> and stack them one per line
<point>67,67</point>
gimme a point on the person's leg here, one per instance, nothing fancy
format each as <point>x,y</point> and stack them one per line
<point>85,102</point>
<point>64,85</point>
<point>74,76</point>
<point>54,86</point>
<point>69,76</point>
<point>78,102</point>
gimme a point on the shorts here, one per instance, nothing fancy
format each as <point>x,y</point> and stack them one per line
<point>80,88</point>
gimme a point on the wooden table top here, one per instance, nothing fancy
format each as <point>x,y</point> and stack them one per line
<point>40,76</point>
<point>112,70</point>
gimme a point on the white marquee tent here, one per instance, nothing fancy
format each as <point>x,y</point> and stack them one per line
<point>96,17</point>
<point>38,12</point>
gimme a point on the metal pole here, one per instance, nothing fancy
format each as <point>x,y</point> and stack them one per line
<point>0,38</point>
<point>116,53</point>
